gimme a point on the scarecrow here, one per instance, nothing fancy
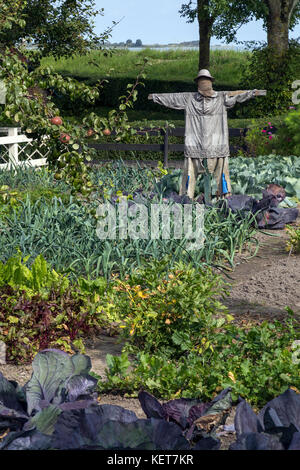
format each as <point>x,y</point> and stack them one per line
<point>206,132</point>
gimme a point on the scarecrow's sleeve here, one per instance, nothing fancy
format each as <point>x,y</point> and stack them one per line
<point>230,101</point>
<point>172,100</point>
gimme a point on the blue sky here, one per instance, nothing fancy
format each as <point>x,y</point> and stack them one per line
<point>158,21</point>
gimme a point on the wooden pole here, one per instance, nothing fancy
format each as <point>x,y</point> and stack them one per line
<point>13,148</point>
<point>239,92</point>
<point>166,147</point>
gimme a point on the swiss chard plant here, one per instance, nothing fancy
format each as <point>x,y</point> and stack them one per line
<point>39,278</point>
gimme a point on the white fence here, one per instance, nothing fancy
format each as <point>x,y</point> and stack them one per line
<point>18,150</point>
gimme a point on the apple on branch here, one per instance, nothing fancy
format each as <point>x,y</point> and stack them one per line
<point>64,138</point>
<point>90,132</point>
<point>56,120</point>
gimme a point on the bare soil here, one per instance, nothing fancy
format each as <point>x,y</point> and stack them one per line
<point>260,289</point>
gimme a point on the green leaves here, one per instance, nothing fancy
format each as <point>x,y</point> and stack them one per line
<point>257,365</point>
<point>250,176</point>
<point>160,312</point>
<point>40,278</point>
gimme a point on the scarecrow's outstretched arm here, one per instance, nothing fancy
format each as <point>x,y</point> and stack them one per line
<point>240,97</point>
<point>171,100</point>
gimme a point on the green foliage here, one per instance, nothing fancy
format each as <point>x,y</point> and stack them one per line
<point>29,106</point>
<point>293,244</point>
<point>8,199</point>
<point>292,131</point>
<point>259,141</point>
<point>256,362</point>
<point>266,71</point>
<point>170,71</point>
<point>40,309</point>
<point>164,313</point>
<point>64,231</point>
<point>40,278</point>
<point>11,15</point>
<point>60,28</point>
<point>251,175</point>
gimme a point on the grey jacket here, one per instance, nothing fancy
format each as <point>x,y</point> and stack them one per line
<point>206,126</point>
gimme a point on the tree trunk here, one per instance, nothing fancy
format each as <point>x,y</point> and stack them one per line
<point>205,30</point>
<point>278,23</point>
<point>204,45</point>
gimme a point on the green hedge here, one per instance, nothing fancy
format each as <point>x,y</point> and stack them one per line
<point>116,87</point>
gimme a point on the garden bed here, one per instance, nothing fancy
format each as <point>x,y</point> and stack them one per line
<point>260,290</point>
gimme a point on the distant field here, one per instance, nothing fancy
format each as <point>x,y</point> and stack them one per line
<point>174,65</point>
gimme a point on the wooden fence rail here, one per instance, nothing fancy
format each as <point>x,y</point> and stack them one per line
<point>165,147</point>
<point>11,148</point>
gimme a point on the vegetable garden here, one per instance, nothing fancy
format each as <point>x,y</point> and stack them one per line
<point>60,285</point>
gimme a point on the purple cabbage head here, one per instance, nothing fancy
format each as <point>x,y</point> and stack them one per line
<point>276,427</point>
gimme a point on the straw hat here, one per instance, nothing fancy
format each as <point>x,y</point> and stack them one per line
<point>204,73</point>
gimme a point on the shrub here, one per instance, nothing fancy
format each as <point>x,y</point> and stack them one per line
<point>276,75</point>
<point>259,141</point>
<point>159,311</point>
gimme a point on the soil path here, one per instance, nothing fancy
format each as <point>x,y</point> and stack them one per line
<point>260,289</point>
<point>263,286</point>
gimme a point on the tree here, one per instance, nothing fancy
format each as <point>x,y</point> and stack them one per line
<point>138,43</point>
<point>279,16</point>
<point>58,27</point>
<point>223,19</point>
<point>29,104</point>
<point>11,14</point>
<point>207,12</point>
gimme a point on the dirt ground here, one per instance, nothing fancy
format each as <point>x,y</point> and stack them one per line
<point>260,289</point>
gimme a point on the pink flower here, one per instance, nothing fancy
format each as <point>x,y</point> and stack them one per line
<point>270,137</point>
<point>269,124</point>
<point>264,130</point>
